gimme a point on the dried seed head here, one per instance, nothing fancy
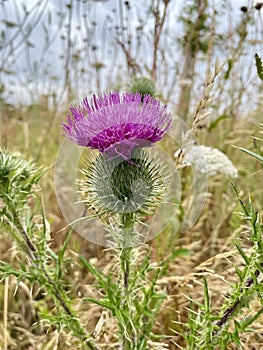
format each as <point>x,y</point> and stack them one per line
<point>243,9</point>
<point>258,6</point>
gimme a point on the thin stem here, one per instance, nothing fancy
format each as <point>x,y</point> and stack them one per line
<point>231,310</point>
<point>125,264</point>
<point>127,222</point>
<point>125,259</point>
<point>30,246</point>
<point>158,27</point>
<point>5,316</point>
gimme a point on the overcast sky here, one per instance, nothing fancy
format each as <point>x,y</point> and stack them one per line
<point>26,63</point>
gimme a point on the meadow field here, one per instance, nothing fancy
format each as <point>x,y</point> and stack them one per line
<point>179,263</point>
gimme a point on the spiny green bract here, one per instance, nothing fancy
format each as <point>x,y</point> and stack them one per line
<point>119,186</point>
<point>17,176</point>
<point>144,86</point>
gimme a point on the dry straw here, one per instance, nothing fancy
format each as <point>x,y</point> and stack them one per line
<point>200,114</point>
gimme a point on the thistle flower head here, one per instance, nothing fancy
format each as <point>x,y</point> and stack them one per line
<point>117,123</point>
<point>121,186</point>
<point>17,176</point>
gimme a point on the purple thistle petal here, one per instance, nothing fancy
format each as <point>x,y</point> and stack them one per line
<point>117,121</point>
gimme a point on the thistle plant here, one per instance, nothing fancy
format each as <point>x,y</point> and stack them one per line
<point>205,329</point>
<point>122,185</point>
<point>209,330</point>
<point>18,183</point>
<point>17,179</point>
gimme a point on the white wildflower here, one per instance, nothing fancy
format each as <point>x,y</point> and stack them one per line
<point>208,160</point>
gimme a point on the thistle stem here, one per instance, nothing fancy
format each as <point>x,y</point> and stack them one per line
<point>125,259</point>
<point>231,310</point>
<point>125,256</point>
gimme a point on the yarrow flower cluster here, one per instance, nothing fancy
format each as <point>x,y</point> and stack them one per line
<point>116,123</point>
<point>209,160</point>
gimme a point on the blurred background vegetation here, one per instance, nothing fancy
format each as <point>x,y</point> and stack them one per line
<point>54,53</point>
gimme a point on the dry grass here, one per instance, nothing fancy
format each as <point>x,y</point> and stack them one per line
<point>210,242</point>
